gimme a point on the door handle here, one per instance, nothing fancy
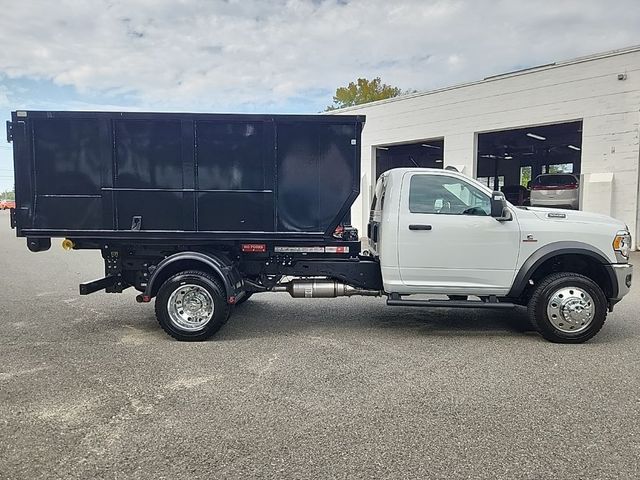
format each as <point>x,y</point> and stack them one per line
<point>419,227</point>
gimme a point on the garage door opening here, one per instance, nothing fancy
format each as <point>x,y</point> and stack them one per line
<point>426,154</point>
<point>510,160</point>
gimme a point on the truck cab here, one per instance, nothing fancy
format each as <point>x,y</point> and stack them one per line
<point>435,234</point>
<point>441,232</point>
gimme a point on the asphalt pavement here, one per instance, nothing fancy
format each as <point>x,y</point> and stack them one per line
<point>91,387</point>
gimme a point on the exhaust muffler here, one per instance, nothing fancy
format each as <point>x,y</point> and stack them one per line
<point>322,289</point>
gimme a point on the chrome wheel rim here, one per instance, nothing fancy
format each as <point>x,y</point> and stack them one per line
<point>190,307</point>
<point>570,309</point>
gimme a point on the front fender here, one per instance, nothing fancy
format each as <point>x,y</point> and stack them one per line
<point>554,249</point>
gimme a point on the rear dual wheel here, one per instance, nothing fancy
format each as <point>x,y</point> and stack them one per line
<point>192,306</point>
<point>567,308</point>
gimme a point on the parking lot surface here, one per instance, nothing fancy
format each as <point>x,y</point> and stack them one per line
<point>293,388</point>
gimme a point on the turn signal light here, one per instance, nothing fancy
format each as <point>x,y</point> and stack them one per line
<point>622,243</point>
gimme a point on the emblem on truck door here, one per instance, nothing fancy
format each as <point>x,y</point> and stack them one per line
<point>529,238</point>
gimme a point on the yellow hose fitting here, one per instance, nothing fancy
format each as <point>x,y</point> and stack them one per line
<point>68,244</point>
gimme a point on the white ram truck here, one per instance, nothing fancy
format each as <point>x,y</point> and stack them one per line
<point>198,212</point>
<point>440,232</point>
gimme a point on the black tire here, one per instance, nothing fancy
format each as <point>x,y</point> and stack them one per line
<point>221,310</point>
<point>244,299</point>
<point>542,294</point>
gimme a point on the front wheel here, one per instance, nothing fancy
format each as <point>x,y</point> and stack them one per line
<point>567,308</point>
<point>192,306</point>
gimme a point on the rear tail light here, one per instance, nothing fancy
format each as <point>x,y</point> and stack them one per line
<point>571,186</point>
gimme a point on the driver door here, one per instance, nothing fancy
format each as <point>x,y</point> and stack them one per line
<point>447,240</point>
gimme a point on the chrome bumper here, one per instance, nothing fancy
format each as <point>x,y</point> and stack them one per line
<point>624,276</point>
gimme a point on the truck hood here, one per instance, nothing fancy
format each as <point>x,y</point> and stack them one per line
<point>559,214</point>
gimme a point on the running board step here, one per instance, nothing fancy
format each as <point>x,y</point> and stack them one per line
<point>395,302</point>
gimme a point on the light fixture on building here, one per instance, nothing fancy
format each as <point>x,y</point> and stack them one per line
<point>430,146</point>
<point>573,147</point>
<point>508,157</point>
<point>537,137</point>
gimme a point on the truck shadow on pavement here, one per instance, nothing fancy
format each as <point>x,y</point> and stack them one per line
<point>264,318</point>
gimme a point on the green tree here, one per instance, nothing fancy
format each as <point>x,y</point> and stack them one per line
<point>363,91</point>
<point>525,175</point>
<point>8,195</point>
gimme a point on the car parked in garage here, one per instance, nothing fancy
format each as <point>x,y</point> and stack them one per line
<point>556,190</point>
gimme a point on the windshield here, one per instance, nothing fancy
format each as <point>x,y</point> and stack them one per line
<point>555,180</point>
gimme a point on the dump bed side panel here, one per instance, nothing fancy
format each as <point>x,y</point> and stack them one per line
<point>100,174</point>
<point>315,164</point>
<point>149,181</point>
<point>235,175</point>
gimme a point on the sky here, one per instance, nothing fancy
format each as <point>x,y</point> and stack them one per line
<point>277,56</point>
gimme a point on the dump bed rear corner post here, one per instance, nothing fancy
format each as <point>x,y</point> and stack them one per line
<point>9,131</point>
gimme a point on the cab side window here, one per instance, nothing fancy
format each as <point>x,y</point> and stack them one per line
<point>441,194</point>
<point>378,195</point>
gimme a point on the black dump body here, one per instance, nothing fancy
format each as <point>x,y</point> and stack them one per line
<point>143,176</point>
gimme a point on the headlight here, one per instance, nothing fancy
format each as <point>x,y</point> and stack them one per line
<point>622,245</point>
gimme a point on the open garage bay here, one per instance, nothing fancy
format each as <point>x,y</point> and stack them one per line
<point>510,160</point>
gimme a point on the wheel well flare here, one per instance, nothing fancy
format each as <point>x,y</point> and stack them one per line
<point>575,263</point>
<point>218,267</point>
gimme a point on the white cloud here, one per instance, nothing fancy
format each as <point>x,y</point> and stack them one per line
<point>222,55</point>
<point>4,99</point>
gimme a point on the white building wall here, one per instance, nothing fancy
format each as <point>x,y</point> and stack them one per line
<point>585,89</point>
